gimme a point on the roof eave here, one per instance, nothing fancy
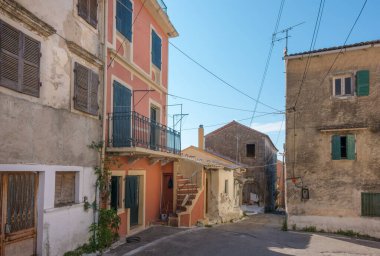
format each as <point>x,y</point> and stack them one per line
<point>161,18</point>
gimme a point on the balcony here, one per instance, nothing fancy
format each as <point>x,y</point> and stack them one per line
<point>130,131</point>
<point>163,5</point>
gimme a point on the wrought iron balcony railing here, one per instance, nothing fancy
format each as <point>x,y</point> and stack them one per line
<point>163,5</point>
<point>130,129</point>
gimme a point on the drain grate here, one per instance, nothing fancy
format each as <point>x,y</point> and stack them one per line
<point>133,239</point>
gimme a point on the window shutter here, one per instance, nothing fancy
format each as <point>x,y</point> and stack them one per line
<point>31,67</point>
<point>128,20</point>
<point>93,98</point>
<point>335,147</point>
<point>128,193</point>
<point>351,147</point>
<point>114,192</point>
<point>81,89</point>
<point>9,56</point>
<point>93,13</point>
<point>83,8</point>
<point>370,204</point>
<point>362,83</point>
<point>156,49</point>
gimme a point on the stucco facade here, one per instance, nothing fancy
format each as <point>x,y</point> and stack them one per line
<point>231,142</point>
<point>334,184</point>
<point>45,134</point>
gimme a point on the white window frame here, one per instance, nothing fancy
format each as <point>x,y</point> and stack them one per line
<point>343,86</point>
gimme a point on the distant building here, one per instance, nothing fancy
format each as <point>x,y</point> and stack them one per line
<point>280,186</point>
<point>254,151</point>
<point>332,138</point>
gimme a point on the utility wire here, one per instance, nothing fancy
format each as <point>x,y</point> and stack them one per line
<point>219,78</point>
<point>240,120</point>
<point>345,42</point>
<point>279,132</point>
<point>268,58</point>
<point>215,105</point>
<point>312,46</point>
<point>122,43</point>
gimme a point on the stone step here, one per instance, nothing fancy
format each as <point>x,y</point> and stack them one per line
<point>187,191</point>
<point>183,181</point>
<point>189,202</point>
<point>182,196</point>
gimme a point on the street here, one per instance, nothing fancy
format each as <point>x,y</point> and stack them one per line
<point>256,235</point>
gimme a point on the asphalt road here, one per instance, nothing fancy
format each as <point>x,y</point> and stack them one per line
<point>256,235</point>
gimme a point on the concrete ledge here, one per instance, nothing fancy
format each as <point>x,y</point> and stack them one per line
<point>363,225</point>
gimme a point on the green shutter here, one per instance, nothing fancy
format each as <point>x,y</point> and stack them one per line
<point>114,192</point>
<point>362,83</point>
<point>335,147</point>
<point>371,204</point>
<point>351,147</point>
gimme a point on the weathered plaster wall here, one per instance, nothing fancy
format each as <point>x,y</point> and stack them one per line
<point>335,186</point>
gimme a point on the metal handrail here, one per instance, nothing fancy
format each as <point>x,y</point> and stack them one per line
<point>163,5</point>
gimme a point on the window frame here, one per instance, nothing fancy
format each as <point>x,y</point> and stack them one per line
<point>254,150</point>
<point>86,14</point>
<point>370,210</point>
<point>120,194</point>
<point>21,58</point>
<point>154,32</point>
<point>336,147</point>
<point>226,186</point>
<point>343,78</point>
<point>74,201</point>
<point>89,107</point>
<point>119,30</point>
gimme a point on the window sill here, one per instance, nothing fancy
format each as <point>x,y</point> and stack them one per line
<point>66,207</point>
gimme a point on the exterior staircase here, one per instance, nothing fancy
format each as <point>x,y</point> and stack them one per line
<point>186,193</point>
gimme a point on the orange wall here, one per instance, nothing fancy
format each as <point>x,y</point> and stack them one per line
<point>141,40</point>
<point>198,210</point>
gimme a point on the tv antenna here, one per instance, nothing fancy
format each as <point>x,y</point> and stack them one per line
<point>286,32</point>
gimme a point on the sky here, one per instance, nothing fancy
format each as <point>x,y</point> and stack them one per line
<point>232,39</point>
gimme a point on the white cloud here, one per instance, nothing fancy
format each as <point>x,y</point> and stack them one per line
<point>268,127</point>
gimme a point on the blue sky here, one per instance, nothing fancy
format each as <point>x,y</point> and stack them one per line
<point>232,39</point>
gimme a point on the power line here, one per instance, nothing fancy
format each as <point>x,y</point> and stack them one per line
<point>240,120</point>
<point>268,58</point>
<point>345,42</point>
<point>218,77</point>
<point>312,46</point>
<point>125,38</point>
<point>215,105</point>
<point>279,132</point>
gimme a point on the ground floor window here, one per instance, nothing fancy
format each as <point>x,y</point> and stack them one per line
<point>116,193</point>
<point>371,204</point>
<point>64,188</point>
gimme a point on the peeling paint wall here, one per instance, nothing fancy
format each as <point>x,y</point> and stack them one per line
<point>335,186</point>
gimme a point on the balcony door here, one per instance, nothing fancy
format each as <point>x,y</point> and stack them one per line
<point>122,114</point>
<point>154,128</point>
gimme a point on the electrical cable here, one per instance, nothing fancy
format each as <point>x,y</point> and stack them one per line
<point>268,59</point>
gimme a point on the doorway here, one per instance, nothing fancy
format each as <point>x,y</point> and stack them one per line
<point>132,199</point>
<point>122,115</point>
<point>18,216</point>
<point>167,193</point>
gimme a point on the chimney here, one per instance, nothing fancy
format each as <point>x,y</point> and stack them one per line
<point>201,137</point>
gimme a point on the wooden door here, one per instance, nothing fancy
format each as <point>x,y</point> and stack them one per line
<point>167,193</point>
<point>18,213</point>
<point>121,132</point>
<point>153,128</point>
<point>132,199</point>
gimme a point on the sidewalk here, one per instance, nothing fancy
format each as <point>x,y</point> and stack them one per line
<point>148,236</point>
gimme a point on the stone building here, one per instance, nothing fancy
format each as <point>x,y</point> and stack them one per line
<point>332,138</point>
<point>51,94</point>
<point>255,152</point>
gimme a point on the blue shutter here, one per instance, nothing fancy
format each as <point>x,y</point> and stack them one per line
<point>124,18</point>
<point>335,147</point>
<point>362,83</point>
<point>114,192</point>
<point>351,147</point>
<point>156,49</point>
<point>121,135</point>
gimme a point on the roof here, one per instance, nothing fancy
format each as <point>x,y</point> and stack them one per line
<point>161,17</point>
<point>232,123</point>
<point>207,159</point>
<point>366,43</point>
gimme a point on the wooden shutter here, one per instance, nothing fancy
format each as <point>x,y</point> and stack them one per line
<point>64,188</point>
<point>31,67</point>
<point>81,90</point>
<point>9,56</point>
<point>128,193</point>
<point>115,192</point>
<point>351,147</point>
<point>124,12</point>
<point>83,7</point>
<point>370,204</point>
<point>93,98</point>
<point>362,83</point>
<point>335,147</point>
<point>93,13</point>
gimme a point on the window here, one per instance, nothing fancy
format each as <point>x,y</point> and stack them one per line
<point>86,84</point>
<point>64,188</point>
<point>116,192</point>
<point>362,83</point>
<point>343,86</point>
<point>156,50</point>
<point>20,61</point>
<point>226,187</point>
<point>88,10</point>
<point>251,152</point>
<point>371,204</point>
<point>343,147</point>
<point>124,18</point>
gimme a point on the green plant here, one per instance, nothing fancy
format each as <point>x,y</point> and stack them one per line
<point>284,225</point>
<point>105,230</point>
<point>309,229</point>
